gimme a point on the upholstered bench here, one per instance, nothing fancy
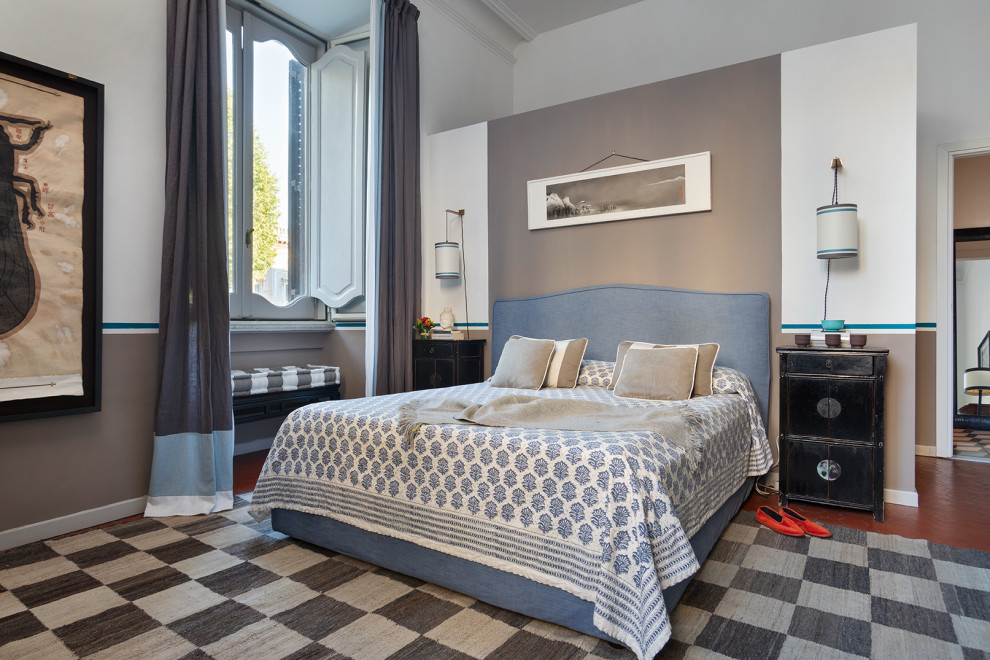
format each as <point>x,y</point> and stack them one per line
<point>264,393</point>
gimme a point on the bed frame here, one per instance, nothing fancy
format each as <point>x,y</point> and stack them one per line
<point>606,315</point>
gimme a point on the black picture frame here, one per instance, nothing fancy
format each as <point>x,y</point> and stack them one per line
<point>23,74</point>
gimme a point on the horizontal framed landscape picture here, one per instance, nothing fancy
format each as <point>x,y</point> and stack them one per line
<point>51,142</point>
<point>642,190</point>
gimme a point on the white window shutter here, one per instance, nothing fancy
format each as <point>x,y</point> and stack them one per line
<point>337,174</point>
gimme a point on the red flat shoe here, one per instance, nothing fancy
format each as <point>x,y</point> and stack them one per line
<point>778,523</point>
<point>810,528</point>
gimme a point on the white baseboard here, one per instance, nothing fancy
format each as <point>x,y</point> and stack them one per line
<point>46,529</point>
<point>902,497</point>
<point>925,450</point>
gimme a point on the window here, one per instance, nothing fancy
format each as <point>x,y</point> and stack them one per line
<point>296,182</point>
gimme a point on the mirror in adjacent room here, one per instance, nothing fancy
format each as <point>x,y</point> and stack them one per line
<point>971,223</point>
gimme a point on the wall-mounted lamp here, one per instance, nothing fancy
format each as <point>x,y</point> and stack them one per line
<point>838,236</point>
<point>838,228</point>
<point>448,253</point>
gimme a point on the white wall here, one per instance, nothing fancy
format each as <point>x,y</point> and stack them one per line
<point>853,98</point>
<point>456,177</point>
<point>465,80</point>
<point>465,74</point>
<point>660,39</point>
<point>121,44</point>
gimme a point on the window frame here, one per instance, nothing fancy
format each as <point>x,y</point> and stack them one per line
<point>246,27</point>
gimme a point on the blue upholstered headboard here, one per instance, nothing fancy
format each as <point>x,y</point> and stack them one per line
<point>609,314</point>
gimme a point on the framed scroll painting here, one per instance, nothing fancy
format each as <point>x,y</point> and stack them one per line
<point>642,190</point>
<point>51,161</point>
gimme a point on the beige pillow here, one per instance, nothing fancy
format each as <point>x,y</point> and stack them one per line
<point>565,363</point>
<point>523,363</point>
<point>658,373</point>
<point>706,365</point>
<point>620,356</point>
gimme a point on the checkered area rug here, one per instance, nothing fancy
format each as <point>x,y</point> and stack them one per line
<point>971,443</point>
<point>225,586</point>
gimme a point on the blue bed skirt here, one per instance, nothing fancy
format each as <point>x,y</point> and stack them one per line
<point>499,588</point>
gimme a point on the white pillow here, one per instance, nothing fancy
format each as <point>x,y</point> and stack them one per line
<point>565,363</point>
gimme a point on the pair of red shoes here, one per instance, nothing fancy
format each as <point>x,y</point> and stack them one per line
<point>790,522</point>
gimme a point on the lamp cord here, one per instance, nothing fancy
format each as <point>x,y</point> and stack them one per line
<point>467,319</point>
<point>828,266</point>
<point>828,272</point>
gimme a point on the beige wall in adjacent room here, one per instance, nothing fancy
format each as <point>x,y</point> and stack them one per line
<point>971,192</point>
<point>733,112</point>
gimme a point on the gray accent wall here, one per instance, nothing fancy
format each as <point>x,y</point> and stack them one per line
<point>62,465</point>
<point>733,112</point>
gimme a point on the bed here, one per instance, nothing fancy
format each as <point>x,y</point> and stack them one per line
<point>598,532</point>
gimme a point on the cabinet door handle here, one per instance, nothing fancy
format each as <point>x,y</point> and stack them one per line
<point>829,408</point>
<point>828,364</point>
<point>829,470</point>
<point>434,379</point>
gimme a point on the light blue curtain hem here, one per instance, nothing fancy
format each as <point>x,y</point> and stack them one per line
<point>191,505</point>
<point>192,465</point>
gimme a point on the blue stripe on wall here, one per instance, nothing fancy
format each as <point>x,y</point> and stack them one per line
<point>859,326</point>
<point>130,326</point>
<point>339,324</point>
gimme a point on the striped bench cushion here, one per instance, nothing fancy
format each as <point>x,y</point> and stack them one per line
<point>286,379</point>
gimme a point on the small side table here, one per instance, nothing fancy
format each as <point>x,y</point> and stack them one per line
<point>447,362</point>
<point>831,426</point>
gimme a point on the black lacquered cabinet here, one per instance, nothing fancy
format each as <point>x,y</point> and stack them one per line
<point>831,426</point>
<point>446,362</point>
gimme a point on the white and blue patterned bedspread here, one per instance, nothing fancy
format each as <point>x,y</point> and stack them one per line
<point>605,516</point>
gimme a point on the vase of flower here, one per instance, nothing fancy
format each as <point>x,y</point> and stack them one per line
<point>423,326</point>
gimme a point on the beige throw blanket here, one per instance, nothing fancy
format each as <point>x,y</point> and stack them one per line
<point>678,424</point>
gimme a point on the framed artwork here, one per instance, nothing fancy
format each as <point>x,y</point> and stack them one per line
<point>642,190</point>
<point>51,186</point>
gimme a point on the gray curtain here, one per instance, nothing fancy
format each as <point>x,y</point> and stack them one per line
<point>192,468</point>
<point>399,233</point>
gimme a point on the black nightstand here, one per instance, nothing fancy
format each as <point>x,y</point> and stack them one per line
<point>831,426</point>
<point>446,362</point>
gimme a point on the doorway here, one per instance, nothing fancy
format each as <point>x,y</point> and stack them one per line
<point>963,286</point>
<point>971,419</point>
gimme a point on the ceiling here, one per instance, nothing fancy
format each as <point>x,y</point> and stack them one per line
<point>528,18</point>
<point>544,15</point>
<point>333,18</point>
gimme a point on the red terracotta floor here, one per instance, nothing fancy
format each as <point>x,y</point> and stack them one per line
<point>247,467</point>
<point>953,506</point>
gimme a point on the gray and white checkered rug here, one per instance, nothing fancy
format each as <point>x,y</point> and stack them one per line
<point>225,586</point>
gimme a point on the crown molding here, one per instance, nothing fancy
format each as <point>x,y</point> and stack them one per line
<point>472,30</point>
<point>511,19</point>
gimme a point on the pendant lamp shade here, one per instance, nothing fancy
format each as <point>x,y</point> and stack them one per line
<point>838,231</point>
<point>448,260</point>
